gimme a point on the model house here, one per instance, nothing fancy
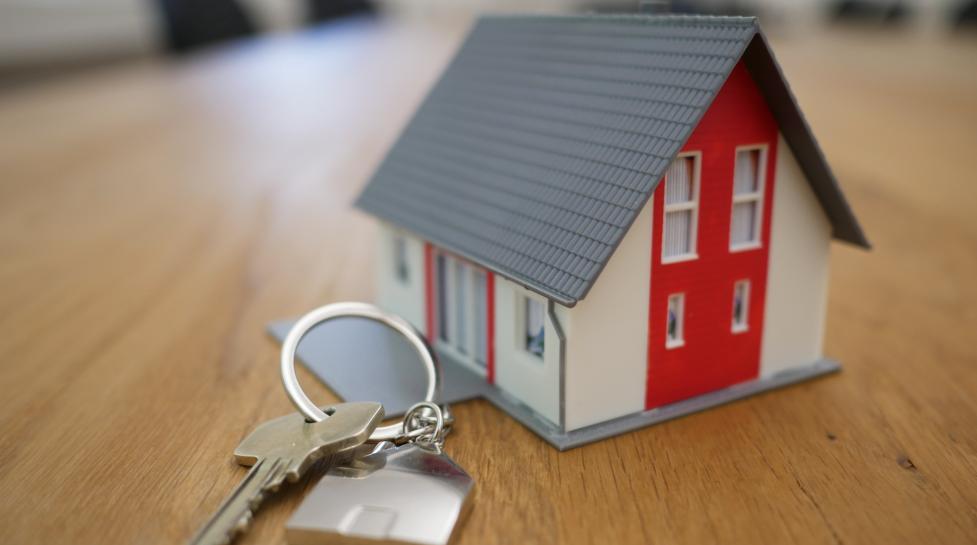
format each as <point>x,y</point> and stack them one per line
<point>607,216</point>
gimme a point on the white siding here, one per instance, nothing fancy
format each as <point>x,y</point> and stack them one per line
<point>532,380</point>
<point>797,281</point>
<point>404,298</point>
<point>607,335</point>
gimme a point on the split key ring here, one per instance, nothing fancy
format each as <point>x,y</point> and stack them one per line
<point>391,432</point>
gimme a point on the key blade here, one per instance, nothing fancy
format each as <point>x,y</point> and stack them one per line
<point>234,515</point>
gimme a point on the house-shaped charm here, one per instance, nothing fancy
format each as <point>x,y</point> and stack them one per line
<point>411,494</point>
<point>612,220</point>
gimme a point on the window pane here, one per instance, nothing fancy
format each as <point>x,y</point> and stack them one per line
<point>534,320</point>
<point>461,305</point>
<point>672,324</point>
<point>738,308</point>
<point>674,321</point>
<point>481,319</point>
<point>746,178</point>
<point>678,233</point>
<point>678,181</point>
<point>400,258</point>
<point>743,230</point>
<point>442,281</point>
<point>741,294</point>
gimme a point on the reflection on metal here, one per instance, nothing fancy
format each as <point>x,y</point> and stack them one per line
<point>406,494</point>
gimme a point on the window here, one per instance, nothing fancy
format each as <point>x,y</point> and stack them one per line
<point>400,259</point>
<point>744,231</point>
<point>681,209</point>
<point>675,323</point>
<point>741,306</point>
<point>534,319</point>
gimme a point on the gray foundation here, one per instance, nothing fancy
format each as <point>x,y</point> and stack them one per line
<point>568,440</point>
<point>380,366</point>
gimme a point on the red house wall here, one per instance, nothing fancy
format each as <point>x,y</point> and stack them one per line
<point>713,356</point>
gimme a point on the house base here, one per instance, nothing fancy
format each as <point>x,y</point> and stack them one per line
<point>372,370</point>
<point>571,439</point>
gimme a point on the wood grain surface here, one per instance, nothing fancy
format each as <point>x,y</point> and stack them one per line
<point>154,217</point>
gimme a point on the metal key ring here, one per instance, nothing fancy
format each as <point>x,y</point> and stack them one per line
<point>391,432</point>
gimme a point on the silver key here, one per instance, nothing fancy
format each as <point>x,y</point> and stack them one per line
<point>284,448</point>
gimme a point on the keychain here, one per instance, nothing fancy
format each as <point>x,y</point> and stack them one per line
<point>283,449</point>
<point>400,487</point>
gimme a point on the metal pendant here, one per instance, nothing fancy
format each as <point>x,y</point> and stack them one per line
<point>413,493</point>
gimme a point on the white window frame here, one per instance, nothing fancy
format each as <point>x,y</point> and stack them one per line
<point>744,324</point>
<point>448,340</point>
<point>679,341</point>
<point>522,306</point>
<point>756,196</point>
<point>692,205</point>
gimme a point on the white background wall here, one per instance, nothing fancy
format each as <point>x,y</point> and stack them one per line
<point>48,31</point>
<point>607,352</point>
<point>797,279</point>
<point>44,31</point>
<point>797,14</point>
<point>56,31</point>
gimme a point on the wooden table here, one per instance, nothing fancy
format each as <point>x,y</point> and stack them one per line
<point>153,218</point>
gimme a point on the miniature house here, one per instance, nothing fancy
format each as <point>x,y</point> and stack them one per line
<point>607,216</point>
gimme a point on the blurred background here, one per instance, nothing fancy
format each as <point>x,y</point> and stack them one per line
<point>41,39</point>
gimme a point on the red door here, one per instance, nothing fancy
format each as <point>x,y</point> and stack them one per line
<point>708,287</point>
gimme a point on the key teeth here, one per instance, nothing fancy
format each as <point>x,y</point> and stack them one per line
<point>242,526</point>
<point>244,523</point>
<point>269,473</point>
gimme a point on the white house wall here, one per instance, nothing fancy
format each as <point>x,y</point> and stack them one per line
<point>533,381</point>
<point>406,299</point>
<point>797,280</point>
<point>607,335</point>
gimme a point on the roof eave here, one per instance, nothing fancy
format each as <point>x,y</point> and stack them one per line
<point>766,71</point>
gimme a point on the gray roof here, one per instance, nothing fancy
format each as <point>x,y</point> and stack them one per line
<point>545,136</point>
